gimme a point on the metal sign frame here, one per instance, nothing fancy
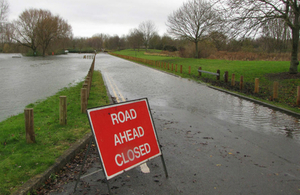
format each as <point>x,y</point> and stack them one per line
<point>100,117</point>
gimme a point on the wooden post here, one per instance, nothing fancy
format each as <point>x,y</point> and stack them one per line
<point>256,89</point>
<point>176,68</point>
<point>180,68</point>
<point>218,72</point>
<point>242,83</point>
<point>30,135</point>
<point>87,81</point>
<point>200,68</point>
<point>189,69</point>
<point>62,110</point>
<point>226,77</point>
<point>83,100</point>
<point>233,80</point>
<point>168,66</point>
<point>275,90</point>
<point>298,95</point>
<point>172,67</point>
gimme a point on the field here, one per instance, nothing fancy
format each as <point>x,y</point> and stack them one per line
<point>266,71</point>
<point>20,161</point>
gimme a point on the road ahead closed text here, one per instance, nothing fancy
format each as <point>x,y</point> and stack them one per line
<point>125,135</point>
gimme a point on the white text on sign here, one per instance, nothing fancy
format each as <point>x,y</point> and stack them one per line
<point>130,155</point>
<point>122,117</point>
<point>127,136</point>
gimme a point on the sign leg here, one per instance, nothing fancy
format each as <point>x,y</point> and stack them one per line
<point>109,192</point>
<point>164,165</point>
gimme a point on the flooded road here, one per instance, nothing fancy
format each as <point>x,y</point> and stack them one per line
<point>28,79</point>
<point>166,92</point>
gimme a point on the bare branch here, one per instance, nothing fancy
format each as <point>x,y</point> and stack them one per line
<point>194,20</point>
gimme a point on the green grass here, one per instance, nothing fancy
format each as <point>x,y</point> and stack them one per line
<point>248,69</point>
<point>20,161</point>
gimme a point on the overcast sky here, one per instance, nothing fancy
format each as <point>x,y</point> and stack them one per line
<point>89,17</point>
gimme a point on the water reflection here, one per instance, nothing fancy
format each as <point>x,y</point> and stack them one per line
<point>28,79</point>
<point>258,117</point>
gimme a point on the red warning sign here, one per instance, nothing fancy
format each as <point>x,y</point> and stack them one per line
<point>125,135</point>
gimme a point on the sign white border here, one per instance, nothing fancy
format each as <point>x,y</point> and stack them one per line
<point>98,147</point>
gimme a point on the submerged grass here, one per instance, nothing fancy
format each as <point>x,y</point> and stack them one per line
<point>248,69</point>
<point>20,161</point>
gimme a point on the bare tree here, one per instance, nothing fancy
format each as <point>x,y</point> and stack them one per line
<point>97,41</point>
<point>51,27</point>
<point>251,16</point>
<point>194,20</point>
<point>25,29</point>
<point>219,39</point>
<point>81,43</point>
<point>148,29</point>
<point>277,34</point>
<point>4,8</point>
<point>135,39</point>
<point>36,28</point>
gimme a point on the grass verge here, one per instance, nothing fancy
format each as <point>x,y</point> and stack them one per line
<point>20,161</point>
<point>266,71</point>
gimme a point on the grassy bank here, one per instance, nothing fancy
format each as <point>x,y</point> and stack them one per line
<point>266,71</point>
<point>20,161</point>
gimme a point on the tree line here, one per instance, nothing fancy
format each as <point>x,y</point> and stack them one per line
<point>196,29</point>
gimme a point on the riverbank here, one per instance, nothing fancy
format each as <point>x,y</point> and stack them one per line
<point>267,71</point>
<point>20,161</point>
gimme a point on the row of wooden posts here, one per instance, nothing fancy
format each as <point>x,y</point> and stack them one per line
<point>172,67</point>
<point>85,91</point>
<point>88,56</point>
<point>256,85</point>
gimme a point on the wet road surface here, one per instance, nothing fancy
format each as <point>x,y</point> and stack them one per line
<point>213,143</point>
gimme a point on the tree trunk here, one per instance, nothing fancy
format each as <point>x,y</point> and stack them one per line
<point>197,52</point>
<point>294,58</point>
<point>34,51</point>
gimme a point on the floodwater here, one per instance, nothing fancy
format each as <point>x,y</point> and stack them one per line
<point>26,80</point>
<point>170,94</point>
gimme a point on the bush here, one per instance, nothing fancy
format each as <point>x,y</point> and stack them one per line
<point>205,48</point>
<point>84,50</point>
<point>170,48</point>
